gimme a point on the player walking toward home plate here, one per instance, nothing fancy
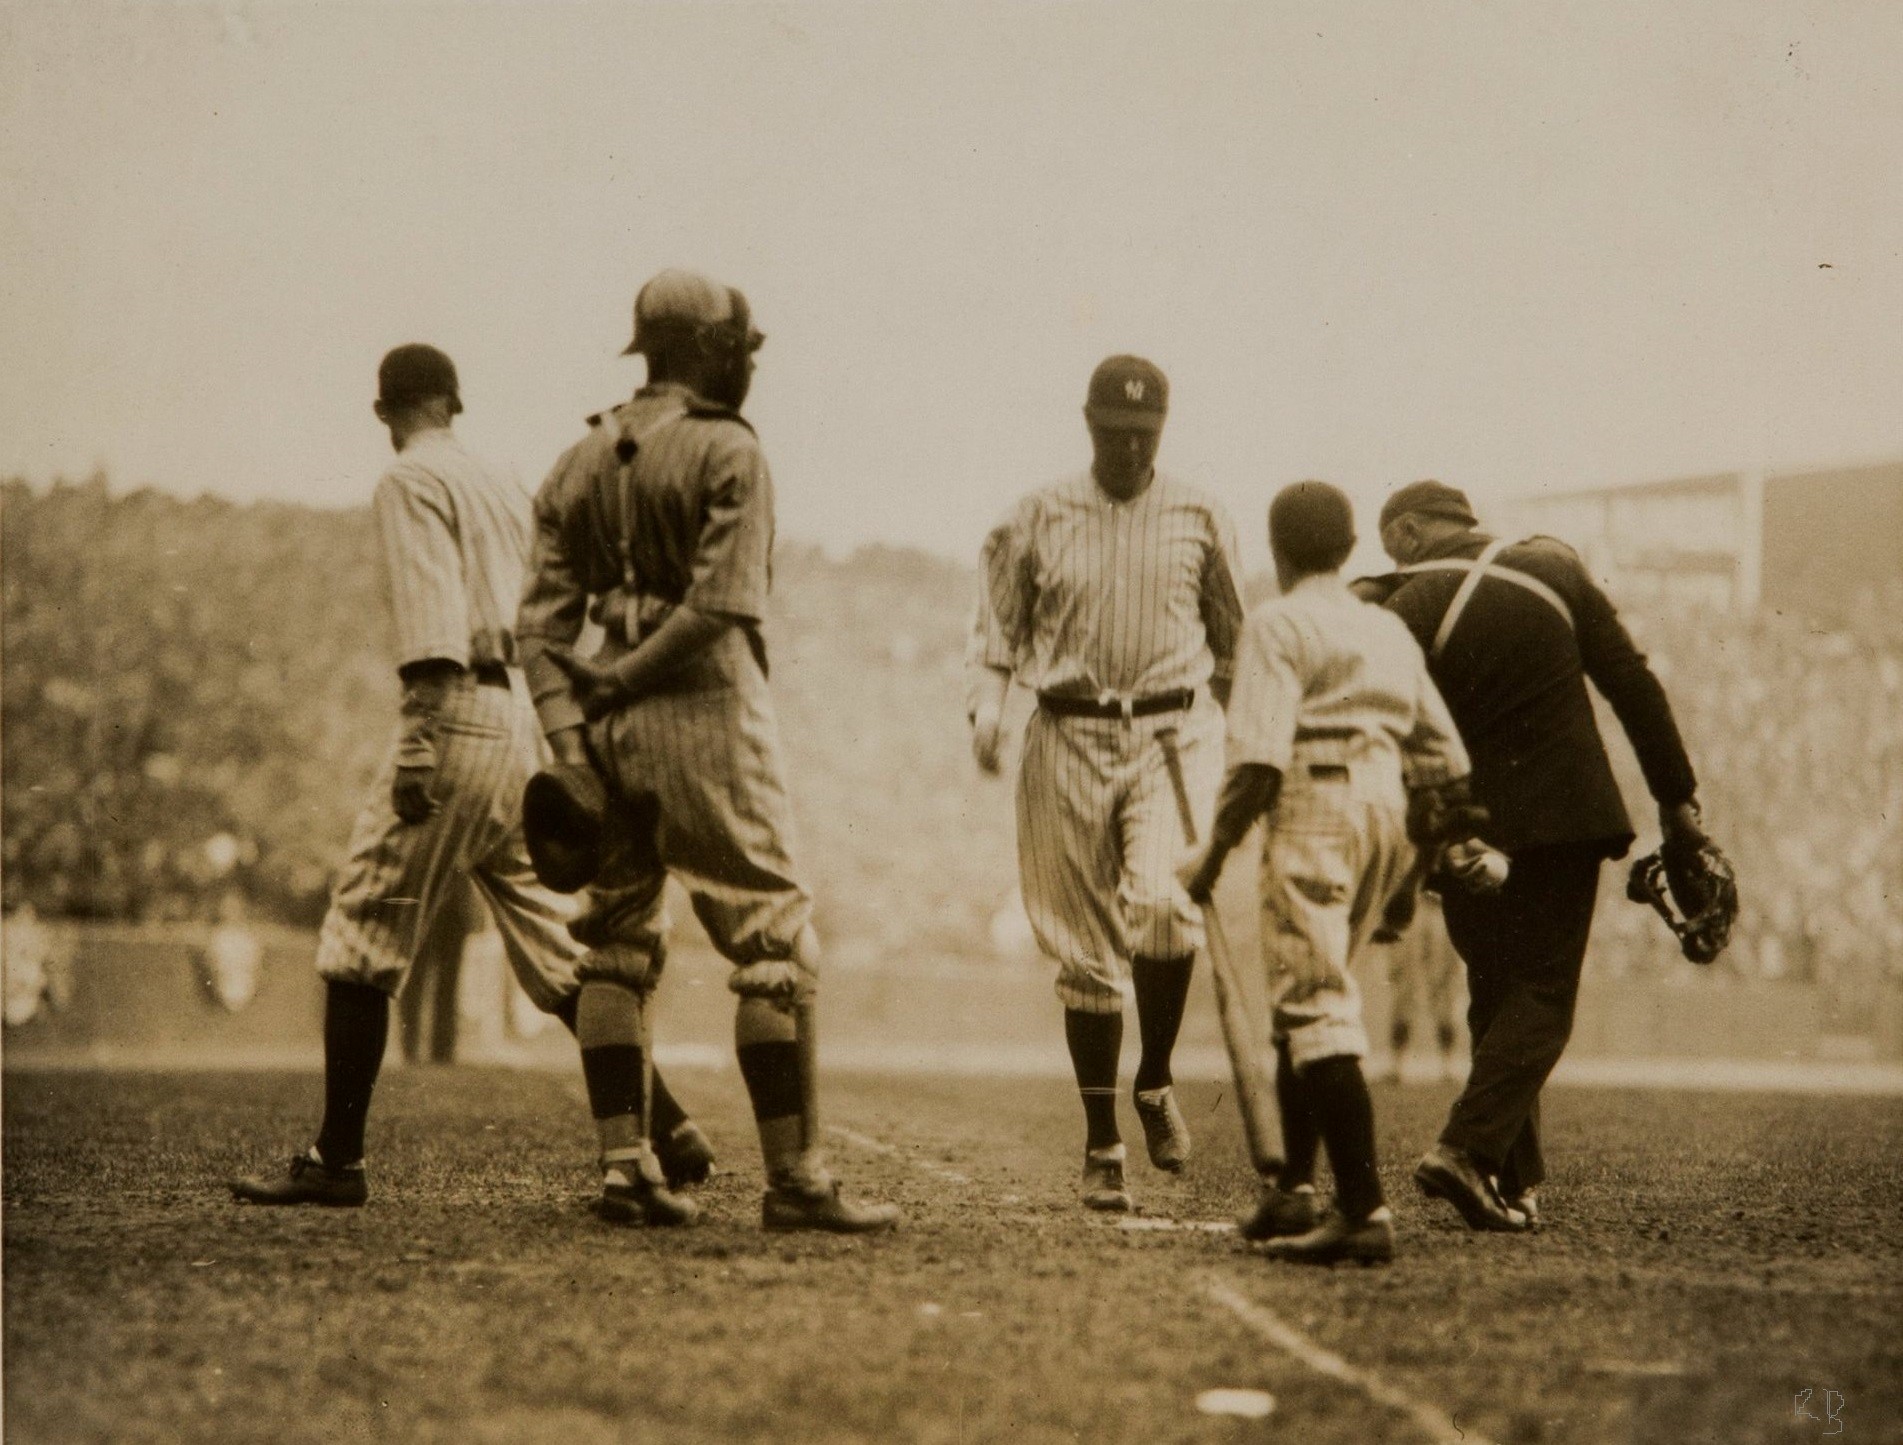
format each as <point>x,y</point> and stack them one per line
<point>662,519</point>
<point>1113,596</point>
<point>454,542</point>
<point>1337,737</point>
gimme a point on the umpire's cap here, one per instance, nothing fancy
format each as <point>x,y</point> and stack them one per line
<point>1313,525</point>
<point>1127,391</point>
<point>1429,499</point>
<point>562,812</point>
<point>416,373</point>
<point>679,303</point>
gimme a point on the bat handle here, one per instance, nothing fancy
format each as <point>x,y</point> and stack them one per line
<point>1173,760</point>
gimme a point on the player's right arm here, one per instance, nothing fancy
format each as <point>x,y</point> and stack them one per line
<point>1000,629</point>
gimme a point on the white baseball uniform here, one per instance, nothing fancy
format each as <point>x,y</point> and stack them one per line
<point>1131,609</point>
<point>453,537</point>
<point>1334,695</point>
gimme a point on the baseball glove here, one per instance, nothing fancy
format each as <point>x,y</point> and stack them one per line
<point>1694,874</point>
<point>562,811</point>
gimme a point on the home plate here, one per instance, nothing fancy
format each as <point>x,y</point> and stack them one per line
<point>1145,1225</point>
<point>1249,1404</point>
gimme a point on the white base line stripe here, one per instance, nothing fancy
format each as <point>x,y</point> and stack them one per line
<point>879,1146</point>
<point>1437,1426</point>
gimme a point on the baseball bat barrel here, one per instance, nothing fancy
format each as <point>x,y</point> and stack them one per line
<point>1255,1095</point>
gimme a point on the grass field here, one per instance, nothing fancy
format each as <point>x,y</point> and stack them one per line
<point>1709,1257</point>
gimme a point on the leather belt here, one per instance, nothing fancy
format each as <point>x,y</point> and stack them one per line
<point>1110,706</point>
<point>491,674</point>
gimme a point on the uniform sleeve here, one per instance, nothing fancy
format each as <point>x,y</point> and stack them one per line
<point>1267,699</point>
<point>554,600</point>
<point>422,566</point>
<point>1222,595</point>
<point>1007,584</point>
<point>977,637</point>
<point>732,570</point>
<point>1433,753</point>
<point>1626,680</point>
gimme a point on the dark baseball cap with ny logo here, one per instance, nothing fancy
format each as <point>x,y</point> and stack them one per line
<point>1127,391</point>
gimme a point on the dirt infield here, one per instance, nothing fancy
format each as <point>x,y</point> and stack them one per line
<point>1710,1258</point>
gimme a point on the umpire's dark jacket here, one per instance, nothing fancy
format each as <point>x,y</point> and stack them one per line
<point>1514,675</point>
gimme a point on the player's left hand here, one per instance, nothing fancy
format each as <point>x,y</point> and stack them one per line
<point>410,794</point>
<point>597,688</point>
<point>1197,870</point>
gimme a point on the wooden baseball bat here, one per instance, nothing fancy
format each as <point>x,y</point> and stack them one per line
<point>1255,1093</point>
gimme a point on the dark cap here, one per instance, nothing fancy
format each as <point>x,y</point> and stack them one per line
<point>1313,525</point>
<point>1429,499</point>
<point>1127,391</point>
<point>416,373</point>
<point>680,303</point>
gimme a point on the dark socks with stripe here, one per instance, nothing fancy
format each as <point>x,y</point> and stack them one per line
<point>1096,1043</point>
<point>1162,988</point>
<point>356,1026</point>
<point>1338,1094</point>
<point>1300,1136</point>
<point>665,1113</point>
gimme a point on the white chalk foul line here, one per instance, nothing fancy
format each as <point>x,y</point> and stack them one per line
<point>1436,1425</point>
<point>892,1151</point>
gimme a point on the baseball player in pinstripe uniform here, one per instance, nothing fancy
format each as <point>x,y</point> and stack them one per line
<point>1334,720</point>
<point>661,520</point>
<point>454,541</point>
<point>1113,596</point>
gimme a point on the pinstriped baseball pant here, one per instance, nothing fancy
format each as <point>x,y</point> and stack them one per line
<point>1334,850</point>
<point>396,876</point>
<point>697,790</point>
<point>1099,837</point>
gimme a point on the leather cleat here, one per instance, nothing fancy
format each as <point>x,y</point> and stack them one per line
<point>1336,1241</point>
<point>1164,1130</point>
<point>1103,1187</point>
<point>1451,1174</point>
<point>823,1207</point>
<point>308,1180</point>
<point>635,1192</point>
<point>686,1156</point>
<point>1280,1212</point>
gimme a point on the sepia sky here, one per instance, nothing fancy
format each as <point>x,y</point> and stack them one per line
<point>1510,246</point>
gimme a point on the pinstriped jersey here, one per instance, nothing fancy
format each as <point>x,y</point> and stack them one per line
<point>1318,662</point>
<point>453,538</point>
<point>666,501</point>
<point>1083,594</point>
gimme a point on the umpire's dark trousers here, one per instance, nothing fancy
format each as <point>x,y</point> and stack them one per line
<point>1523,948</point>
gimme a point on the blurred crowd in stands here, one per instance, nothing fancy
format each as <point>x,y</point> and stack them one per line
<point>196,693</point>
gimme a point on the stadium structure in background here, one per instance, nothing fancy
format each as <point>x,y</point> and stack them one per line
<point>1825,545</point>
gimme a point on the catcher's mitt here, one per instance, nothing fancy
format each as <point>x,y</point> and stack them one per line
<point>1696,875</point>
<point>562,810</point>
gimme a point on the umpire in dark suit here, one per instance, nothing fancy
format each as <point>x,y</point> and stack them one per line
<point>1512,634</point>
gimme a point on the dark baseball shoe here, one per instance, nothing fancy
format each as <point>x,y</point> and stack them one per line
<point>821,1206</point>
<point>308,1180</point>
<point>635,1192</point>
<point>1451,1174</point>
<point>1281,1212</point>
<point>1335,1241</point>
<point>686,1156</point>
<point>1164,1131</point>
<point>1103,1187</point>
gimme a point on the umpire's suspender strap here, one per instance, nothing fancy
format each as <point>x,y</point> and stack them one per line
<point>1481,567</point>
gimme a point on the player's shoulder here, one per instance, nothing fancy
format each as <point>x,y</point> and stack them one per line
<point>1173,491</point>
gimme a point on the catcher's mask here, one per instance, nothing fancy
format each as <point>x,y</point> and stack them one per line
<point>1699,879</point>
<point>562,810</point>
